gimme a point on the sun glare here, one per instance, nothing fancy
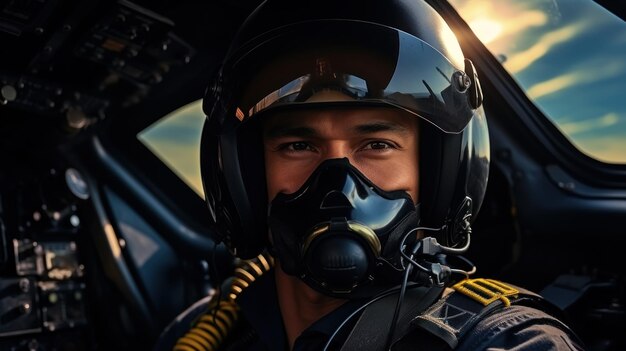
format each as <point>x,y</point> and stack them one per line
<point>486,30</point>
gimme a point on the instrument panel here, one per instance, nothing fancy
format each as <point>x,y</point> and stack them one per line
<point>43,293</point>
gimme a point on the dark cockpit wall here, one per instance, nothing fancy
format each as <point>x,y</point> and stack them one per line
<point>94,252</point>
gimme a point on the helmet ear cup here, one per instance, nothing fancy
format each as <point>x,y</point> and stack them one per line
<point>252,164</point>
<point>233,201</point>
<point>453,169</point>
<point>478,160</point>
<point>439,170</point>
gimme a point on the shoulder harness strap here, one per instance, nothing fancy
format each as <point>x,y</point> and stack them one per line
<point>455,314</point>
<point>367,333</point>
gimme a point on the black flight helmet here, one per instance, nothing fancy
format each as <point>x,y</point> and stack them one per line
<point>392,53</point>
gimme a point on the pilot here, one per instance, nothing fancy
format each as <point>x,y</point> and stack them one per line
<point>346,142</point>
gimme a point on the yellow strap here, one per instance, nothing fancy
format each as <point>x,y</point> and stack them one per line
<point>486,291</point>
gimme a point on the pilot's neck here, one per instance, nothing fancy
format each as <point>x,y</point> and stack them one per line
<point>300,305</point>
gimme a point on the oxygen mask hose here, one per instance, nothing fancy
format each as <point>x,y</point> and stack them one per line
<point>213,327</point>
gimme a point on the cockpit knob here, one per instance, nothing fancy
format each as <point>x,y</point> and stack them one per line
<point>7,93</point>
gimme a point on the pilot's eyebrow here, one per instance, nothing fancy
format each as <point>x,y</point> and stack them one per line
<point>278,131</point>
<point>375,127</point>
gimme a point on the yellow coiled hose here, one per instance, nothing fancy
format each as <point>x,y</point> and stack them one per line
<point>212,327</point>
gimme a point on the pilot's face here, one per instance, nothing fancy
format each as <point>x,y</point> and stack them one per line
<point>380,142</point>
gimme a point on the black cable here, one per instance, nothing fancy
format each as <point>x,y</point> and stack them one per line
<point>418,245</point>
<point>405,279</point>
<point>396,313</point>
<point>466,274</point>
<point>444,249</point>
<point>457,251</point>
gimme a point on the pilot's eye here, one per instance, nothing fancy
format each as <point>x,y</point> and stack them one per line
<point>378,145</point>
<point>299,146</point>
<point>296,146</point>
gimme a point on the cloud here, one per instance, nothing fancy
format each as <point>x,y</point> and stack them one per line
<point>519,61</point>
<point>555,84</point>
<point>571,128</point>
<point>608,146</point>
<point>522,13</point>
<point>486,30</point>
<point>606,149</point>
<point>580,75</point>
<point>523,20</point>
<point>497,22</point>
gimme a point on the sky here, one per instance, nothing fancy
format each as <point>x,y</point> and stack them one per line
<point>569,56</point>
<point>175,139</point>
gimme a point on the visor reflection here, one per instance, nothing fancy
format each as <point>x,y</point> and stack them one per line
<point>401,70</point>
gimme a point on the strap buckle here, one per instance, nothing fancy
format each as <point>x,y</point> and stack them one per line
<point>486,291</point>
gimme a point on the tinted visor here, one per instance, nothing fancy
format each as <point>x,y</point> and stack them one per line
<point>369,63</point>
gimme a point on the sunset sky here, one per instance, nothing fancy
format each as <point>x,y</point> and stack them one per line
<point>570,57</point>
